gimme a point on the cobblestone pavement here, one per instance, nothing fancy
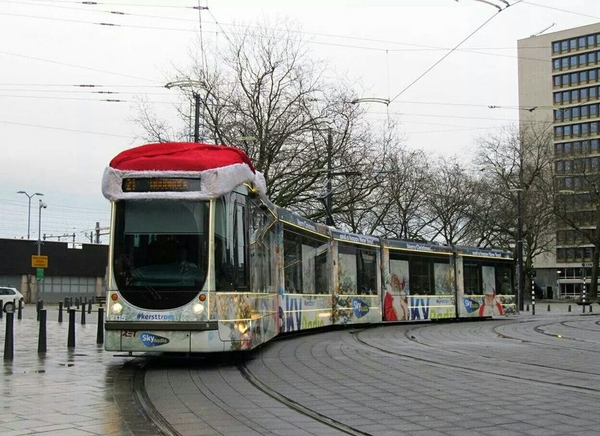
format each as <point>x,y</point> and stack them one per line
<point>518,376</point>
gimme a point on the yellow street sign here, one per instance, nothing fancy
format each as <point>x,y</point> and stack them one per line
<point>39,261</point>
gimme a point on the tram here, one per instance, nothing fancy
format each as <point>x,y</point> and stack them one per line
<point>201,261</point>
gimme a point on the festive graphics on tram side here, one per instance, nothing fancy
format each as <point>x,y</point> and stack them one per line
<point>434,307</point>
<point>395,301</point>
<point>359,308</point>
<point>298,312</point>
<point>471,305</point>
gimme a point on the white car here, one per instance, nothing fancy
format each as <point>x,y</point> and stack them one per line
<point>9,295</point>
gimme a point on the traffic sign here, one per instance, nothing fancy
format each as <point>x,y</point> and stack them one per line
<point>39,261</point>
<point>39,273</point>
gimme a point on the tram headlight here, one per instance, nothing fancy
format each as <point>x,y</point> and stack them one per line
<point>116,308</point>
<point>198,308</point>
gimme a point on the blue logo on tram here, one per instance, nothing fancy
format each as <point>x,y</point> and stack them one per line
<point>359,307</point>
<point>150,340</point>
<point>471,305</point>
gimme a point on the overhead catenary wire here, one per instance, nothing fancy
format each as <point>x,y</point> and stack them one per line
<point>449,53</point>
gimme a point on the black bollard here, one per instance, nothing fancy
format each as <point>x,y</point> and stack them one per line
<point>90,306</point>
<point>527,309</point>
<point>1,308</point>
<point>20,310</point>
<point>77,302</point>
<point>60,309</point>
<point>39,306</point>
<point>590,308</point>
<point>569,309</point>
<point>100,331</point>
<point>9,337</point>
<point>71,338</point>
<point>42,333</point>
<point>548,308</point>
<point>83,314</point>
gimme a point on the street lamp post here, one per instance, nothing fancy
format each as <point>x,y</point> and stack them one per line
<point>42,205</point>
<point>187,84</point>
<point>29,209</point>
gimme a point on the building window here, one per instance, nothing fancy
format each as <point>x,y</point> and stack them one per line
<point>590,41</point>
<point>575,113</point>
<point>567,130</point>
<point>584,93</point>
<point>564,45</point>
<point>573,44</point>
<point>591,58</point>
<point>555,47</point>
<point>556,80</point>
<point>581,42</point>
<point>564,63</point>
<point>558,149</point>
<point>574,79</point>
<point>593,75</point>
<point>593,92</point>
<point>593,110</point>
<point>557,97</point>
<point>573,61</point>
<point>594,143</point>
<point>585,146</point>
<point>585,128</point>
<point>593,128</point>
<point>584,111</point>
<point>575,133</point>
<point>583,76</point>
<point>558,132</point>
<point>575,95</point>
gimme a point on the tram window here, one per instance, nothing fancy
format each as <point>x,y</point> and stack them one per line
<point>419,276</point>
<point>262,241</point>
<point>231,240</point>
<point>321,274</point>
<point>367,272</point>
<point>304,263</point>
<point>358,270</point>
<point>160,260</point>
<point>444,279</point>
<point>472,279</point>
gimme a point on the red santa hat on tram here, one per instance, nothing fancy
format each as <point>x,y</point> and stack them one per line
<point>220,169</point>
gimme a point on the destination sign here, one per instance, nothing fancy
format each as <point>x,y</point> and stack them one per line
<point>160,184</point>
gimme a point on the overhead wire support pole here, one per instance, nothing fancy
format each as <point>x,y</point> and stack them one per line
<point>329,199</point>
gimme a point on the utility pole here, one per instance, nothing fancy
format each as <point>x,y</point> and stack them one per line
<point>329,200</point>
<point>196,117</point>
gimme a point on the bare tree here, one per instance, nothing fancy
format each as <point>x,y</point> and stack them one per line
<point>263,93</point>
<point>449,202</point>
<point>517,162</point>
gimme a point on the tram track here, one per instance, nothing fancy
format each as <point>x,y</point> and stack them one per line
<point>360,337</point>
<point>492,371</point>
<point>135,371</point>
<point>316,416</point>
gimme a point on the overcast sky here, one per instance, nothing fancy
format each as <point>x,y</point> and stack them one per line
<point>57,137</point>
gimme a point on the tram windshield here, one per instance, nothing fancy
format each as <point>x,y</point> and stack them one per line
<point>159,251</point>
